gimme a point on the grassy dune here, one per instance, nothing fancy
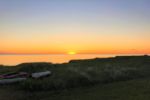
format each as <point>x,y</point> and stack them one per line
<point>119,78</point>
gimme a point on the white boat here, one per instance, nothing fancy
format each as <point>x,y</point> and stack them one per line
<point>41,74</point>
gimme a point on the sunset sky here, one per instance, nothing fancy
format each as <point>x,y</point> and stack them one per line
<point>81,26</point>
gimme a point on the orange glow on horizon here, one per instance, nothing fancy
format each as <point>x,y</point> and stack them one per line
<point>43,27</point>
<point>86,44</point>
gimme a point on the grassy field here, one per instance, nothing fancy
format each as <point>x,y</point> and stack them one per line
<point>119,78</point>
<point>138,89</point>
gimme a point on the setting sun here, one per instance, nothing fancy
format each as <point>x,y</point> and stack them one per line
<point>71,53</point>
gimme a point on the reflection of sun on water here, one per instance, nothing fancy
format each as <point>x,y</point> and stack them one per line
<point>71,53</point>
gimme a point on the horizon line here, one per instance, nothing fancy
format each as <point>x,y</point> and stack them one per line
<point>74,54</point>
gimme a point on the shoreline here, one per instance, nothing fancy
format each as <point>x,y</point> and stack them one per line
<point>112,56</point>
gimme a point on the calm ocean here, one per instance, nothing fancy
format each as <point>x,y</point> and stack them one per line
<point>17,59</point>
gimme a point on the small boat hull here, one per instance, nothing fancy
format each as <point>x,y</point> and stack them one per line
<point>11,81</point>
<point>41,74</point>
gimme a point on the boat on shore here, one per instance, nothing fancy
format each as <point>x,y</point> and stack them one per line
<point>15,77</point>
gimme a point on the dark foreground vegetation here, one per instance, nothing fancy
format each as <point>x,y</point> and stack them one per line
<point>118,78</point>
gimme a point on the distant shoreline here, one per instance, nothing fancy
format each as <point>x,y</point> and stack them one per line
<point>111,57</point>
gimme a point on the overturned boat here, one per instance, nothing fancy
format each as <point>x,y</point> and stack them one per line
<point>41,74</point>
<point>14,77</point>
<point>11,81</point>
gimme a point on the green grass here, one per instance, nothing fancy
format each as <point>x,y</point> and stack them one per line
<point>119,78</point>
<point>127,90</point>
<point>138,89</point>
